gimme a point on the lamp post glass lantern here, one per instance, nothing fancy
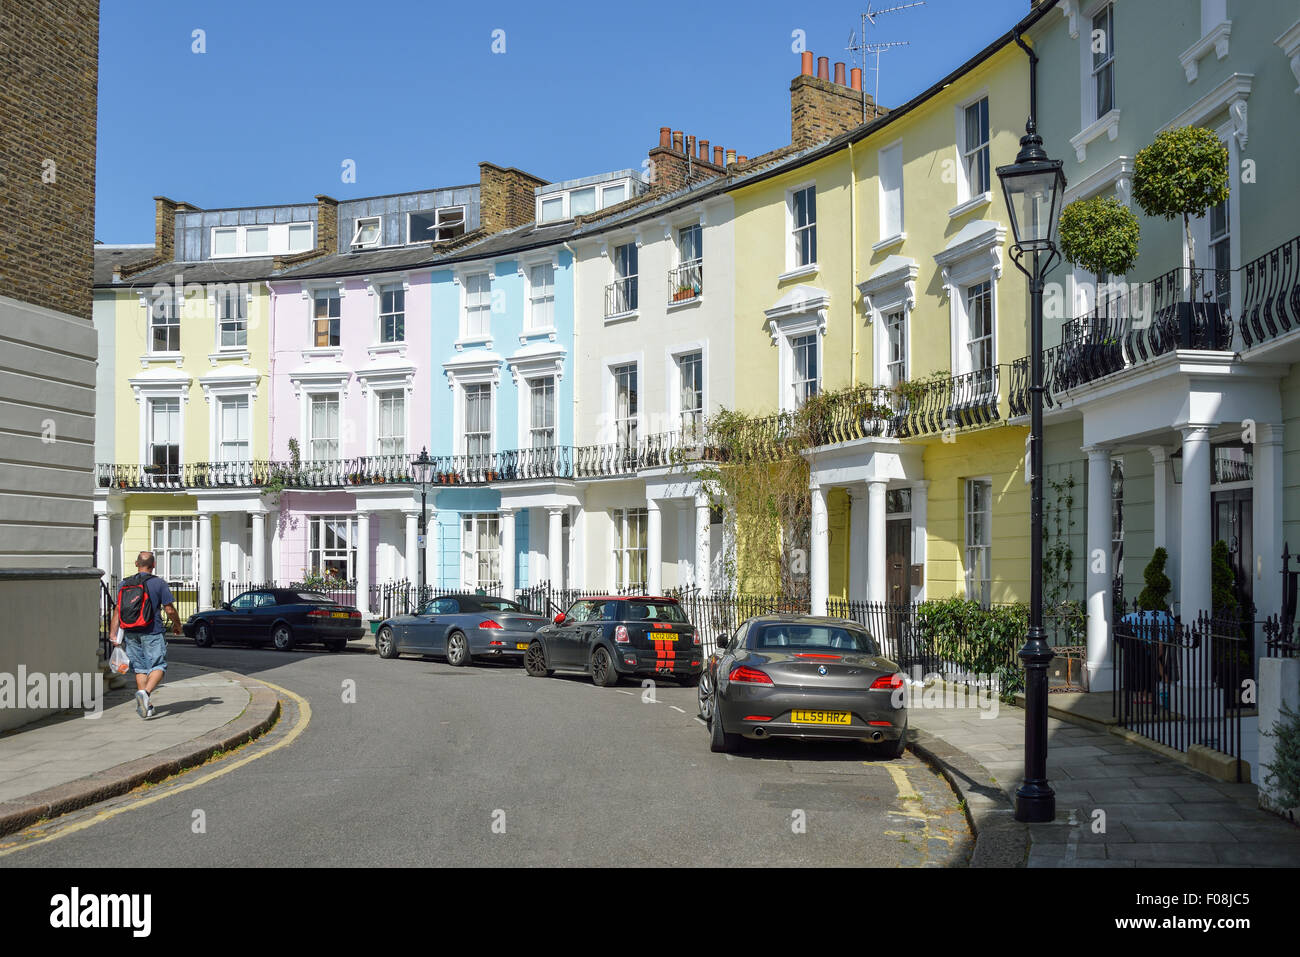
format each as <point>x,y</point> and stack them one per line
<point>423,466</point>
<point>1033,187</point>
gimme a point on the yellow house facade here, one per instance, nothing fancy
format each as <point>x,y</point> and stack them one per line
<point>873,271</point>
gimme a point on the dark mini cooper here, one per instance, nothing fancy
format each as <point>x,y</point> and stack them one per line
<point>612,637</point>
<point>799,676</point>
<point>461,627</point>
<point>283,616</point>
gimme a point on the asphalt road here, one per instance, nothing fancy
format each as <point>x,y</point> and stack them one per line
<point>432,765</point>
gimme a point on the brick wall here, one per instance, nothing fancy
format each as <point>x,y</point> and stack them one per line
<point>49,63</point>
<point>505,197</point>
<point>821,109</point>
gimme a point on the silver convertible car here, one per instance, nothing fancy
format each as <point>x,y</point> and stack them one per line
<point>462,627</point>
<point>787,676</point>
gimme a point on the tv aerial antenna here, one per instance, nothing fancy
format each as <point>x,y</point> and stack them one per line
<point>858,44</point>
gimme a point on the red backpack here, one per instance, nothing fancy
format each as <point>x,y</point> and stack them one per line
<point>135,611</point>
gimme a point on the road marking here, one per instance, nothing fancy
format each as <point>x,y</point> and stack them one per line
<point>304,718</point>
<point>902,782</point>
<point>701,721</point>
<point>621,691</point>
<point>675,708</point>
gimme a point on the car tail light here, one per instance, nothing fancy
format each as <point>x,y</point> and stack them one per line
<point>620,635</point>
<point>888,682</point>
<point>629,660</point>
<point>749,676</point>
<point>318,614</point>
<point>808,654</point>
<point>758,717</point>
<point>695,639</point>
<point>354,614</point>
<point>495,644</point>
<point>882,724</point>
<point>489,623</point>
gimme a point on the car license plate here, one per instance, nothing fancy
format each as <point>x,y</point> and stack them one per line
<point>339,614</point>
<point>821,717</point>
<point>664,636</point>
<point>521,646</point>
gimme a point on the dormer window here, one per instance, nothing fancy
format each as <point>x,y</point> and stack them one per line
<point>224,242</point>
<point>552,210</point>
<point>367,233</point>
<point>613,194</point>
<point>582,201</point>
<point>436,225</point>
<point>300,239</point>
<point>451,222</point>
<point>256,240</point>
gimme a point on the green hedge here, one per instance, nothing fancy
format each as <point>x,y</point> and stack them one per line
<point>977,639</point>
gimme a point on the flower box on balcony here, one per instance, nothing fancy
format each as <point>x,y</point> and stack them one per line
<point>683,293</point>
<point>105,481</point>
<point>491,476</point>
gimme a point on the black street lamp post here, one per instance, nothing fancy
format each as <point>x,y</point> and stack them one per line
<point>423,472</point>
<point>1033,186</point>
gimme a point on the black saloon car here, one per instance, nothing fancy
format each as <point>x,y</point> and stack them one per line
<point>613,637</point>
<point>285,617</point>
<point>800,676</point>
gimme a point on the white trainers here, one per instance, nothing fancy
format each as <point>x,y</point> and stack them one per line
<point>142,706</point>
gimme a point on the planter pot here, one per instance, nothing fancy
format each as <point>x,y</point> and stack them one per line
<point>104,483</point>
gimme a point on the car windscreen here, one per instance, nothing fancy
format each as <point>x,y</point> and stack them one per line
<point>655,611</point>
<point>497,604</point>
<point>792,638</point>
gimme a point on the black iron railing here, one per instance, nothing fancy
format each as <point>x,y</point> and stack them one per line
<point>621,296</point>
<point>1270,294</point>
<point>686,282</point>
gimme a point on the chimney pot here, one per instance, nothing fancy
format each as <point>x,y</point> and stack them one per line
<point>731,157</point>
<point>665,136</point>
<point>855,78</point>
<point>806,64</point>
<point>704,151</point>
<point>742,159</point>
<point>690,146</point>
<point>718,159</point>
<point>839,74</point>
<point>823,68</point>
<point>677,140</point>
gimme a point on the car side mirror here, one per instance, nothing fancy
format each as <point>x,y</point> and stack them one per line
<point>723,640</point>
<point>559,619</point>
<point>225,606</point>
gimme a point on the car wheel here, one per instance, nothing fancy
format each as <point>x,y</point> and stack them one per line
<point>603,674</point>
<point>704,698</point>
<point>892,749</point>
<point>202,635</point>
<point>282,638</point>
<point>720,742</point>
<point>457,649</point>
<point>385,644</point>
<point>535,661</point>
<point>336,646</point>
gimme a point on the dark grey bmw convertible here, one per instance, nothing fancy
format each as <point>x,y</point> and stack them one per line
<point>461,627</point>
<point>787,676</point>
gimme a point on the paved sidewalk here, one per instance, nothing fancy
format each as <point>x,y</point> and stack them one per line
<point>67,761</point>
<point>1157,812</point>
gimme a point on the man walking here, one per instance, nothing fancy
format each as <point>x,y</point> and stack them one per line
<point>146,644</point>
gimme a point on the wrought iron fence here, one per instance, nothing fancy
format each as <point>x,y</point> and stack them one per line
<point>1270,298</point>
<point>621,296</point>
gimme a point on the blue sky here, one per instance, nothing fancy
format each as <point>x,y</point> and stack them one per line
<point>413,93</point>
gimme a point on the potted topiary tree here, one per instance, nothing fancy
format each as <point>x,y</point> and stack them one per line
<point>1184,172</point>
<point>1100,235</point>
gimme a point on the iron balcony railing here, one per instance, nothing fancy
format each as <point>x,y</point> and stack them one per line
<point>621,296</point>
<point>686,282</point>
<point>1270,294</point>
<point>188,475</point>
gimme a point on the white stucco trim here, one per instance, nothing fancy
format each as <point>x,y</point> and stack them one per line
<point>1231,95</point>
<point>1289,44</point>
<point>1216,39</point>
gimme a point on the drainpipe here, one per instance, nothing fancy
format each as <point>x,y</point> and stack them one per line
<point>853,266</point>
<point>1033,78</point>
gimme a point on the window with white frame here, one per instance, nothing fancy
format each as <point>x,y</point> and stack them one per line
<point>481,551</point>
<point>233,426</point>
<point>541,296</point>
<point>975,152</point>
<point>612,195</point>
<point>687,278</point>
<point>257,240</point>
<point>803,212</point>
<point>979,540</point>
<point>225,242</point>
<point>806,369</point>
<point>478,422</point>
<point>1218,283</point>
<point>582,201</point>
<point>392,314</point>
<point>896,348</point>
<point>979,334</point>
<point>625,403</point>
<point>164,324</point>
<point>232,319</point>
<point>175,540</point>
<point>435,225</point>
<point>1102,41</point>
<point>552,210</point>
<point>367,232</point>
<point>390,429</point>
<point>541,402</point>
<point>630,552</point>
<point>323,426</point>
<point>891,191</point>
<point>690,371</point>
<point>332,546</point>
<point>478,305</point>
<point>326,305</point>
<point>300,237</point>
<point>164,444</point>
<point>621,295</point>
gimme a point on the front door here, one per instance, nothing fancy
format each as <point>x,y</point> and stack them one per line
<point>898,560</point>
<point>1233,517</point>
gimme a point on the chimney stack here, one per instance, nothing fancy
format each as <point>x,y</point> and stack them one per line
<point>821,108</point>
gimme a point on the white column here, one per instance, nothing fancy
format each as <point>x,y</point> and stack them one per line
<point>1099,572</point>
<point>276,564</point>
<point>411,556</point>
<point>104,545</point>
<point>702,550</point>
<point>654,551</point>
<point>859,577</point>
<point>507,552</point>
<point>1159,496</point>
<point>259,547</point>
<point>819,578</point>
<point>920,505</point>
<point>876,555</point>
<point>1267,520</point>
<point>430,553</point>
<point>363,562</point>
<point>1194,568</point>
<point>555,546</point>
<point>204,599</point>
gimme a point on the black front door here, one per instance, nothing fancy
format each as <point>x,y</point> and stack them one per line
<point>1233,524</point>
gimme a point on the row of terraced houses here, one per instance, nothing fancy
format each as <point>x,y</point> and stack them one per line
<point>267,376</point>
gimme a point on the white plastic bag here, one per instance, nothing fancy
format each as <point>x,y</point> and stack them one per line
<point>118,663</point>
